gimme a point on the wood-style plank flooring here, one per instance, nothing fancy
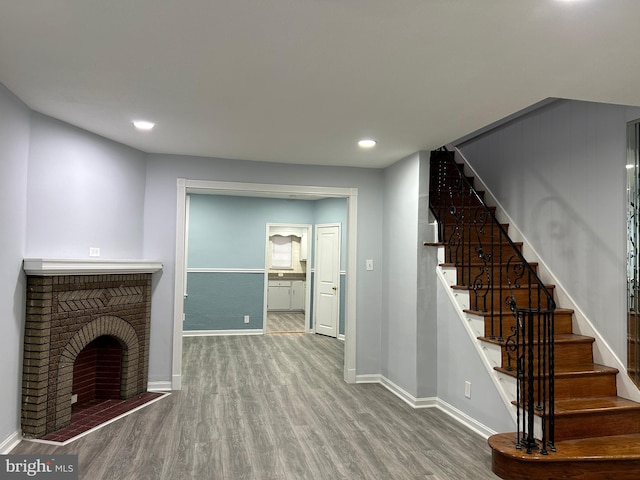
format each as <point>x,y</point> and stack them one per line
<point>289,322</point>
<point>276,407</point>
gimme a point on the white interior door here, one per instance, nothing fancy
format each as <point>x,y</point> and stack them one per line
<point>326,308</point>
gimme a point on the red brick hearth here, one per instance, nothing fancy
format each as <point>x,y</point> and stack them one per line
<point>86,337</point>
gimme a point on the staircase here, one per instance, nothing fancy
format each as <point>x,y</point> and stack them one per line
<point>570,423</point>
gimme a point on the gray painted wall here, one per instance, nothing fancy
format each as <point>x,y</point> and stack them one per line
<point>14,154</point>
<point>458,361</point>
<point>427,281</point>
<point>84,191</point>
<point>159,238</point>
<point>400,235</point>
<point>560,174</point>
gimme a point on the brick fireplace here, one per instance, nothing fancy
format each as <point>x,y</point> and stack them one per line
<point>86,337</point>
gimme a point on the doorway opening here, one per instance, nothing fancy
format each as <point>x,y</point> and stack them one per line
<point>287,279</point>
<point>185,187</point>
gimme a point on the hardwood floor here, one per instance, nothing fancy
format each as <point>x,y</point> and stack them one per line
<point>289,322</point>
<point>276,407</point>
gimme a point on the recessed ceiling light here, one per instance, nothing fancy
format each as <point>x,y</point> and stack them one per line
<point>143,125</point>
<point>367,143</point>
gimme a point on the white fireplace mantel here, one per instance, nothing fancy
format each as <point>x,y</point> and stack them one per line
<point>70,266</point>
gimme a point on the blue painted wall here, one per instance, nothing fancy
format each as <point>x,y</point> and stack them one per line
<point>333,210</point>
<point>227,233</point>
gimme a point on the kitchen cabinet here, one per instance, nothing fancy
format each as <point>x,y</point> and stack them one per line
<point>279,295</point>
<point>286,295</point>
<point>297,295</point>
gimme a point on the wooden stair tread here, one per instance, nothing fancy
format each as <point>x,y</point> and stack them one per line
<point>572,370</point>
<point>557,338</point>
<point>573,406</point>
<point>609,448</point>
<point>482,264</point>
<point>506,311</point>
<point>522,286</point>
<point>475,244</point>
<point>485,245</point>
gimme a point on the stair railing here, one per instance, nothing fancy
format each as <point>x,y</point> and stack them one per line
<point>503,287</point>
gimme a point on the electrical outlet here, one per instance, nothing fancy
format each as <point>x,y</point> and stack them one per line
<point>94,252</point>
<point>74,398</point>
<point>246,319</point>
<point>467,389</point>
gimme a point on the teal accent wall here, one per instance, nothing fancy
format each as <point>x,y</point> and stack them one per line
<point>334,210</point>
<point>228,232</point>
<point>219,301</point>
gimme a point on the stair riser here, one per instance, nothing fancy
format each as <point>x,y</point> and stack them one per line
<point>562,322</point>
<point>456,200</point>
<point>468,215</point>
<point>565,354</point>
<point>494,299</point>
<point>500,274</point>
<point>579,386</point>
<point>461,254</point>
<point>473,234</point>
<point>597,424</point>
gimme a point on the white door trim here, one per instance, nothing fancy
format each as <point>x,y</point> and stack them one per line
<point>185,186</point>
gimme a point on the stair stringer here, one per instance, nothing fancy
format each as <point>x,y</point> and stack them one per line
<point>602,351</point>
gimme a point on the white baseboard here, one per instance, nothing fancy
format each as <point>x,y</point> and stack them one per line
<point>341,336</point>
<point>414,402</point>
<point>373,378</point>
<point>10,442</point>
<point>161,386</point>
<point>222,333</point>
<point>428,402</point>
<point>465,419</point>
<point>176,382</point>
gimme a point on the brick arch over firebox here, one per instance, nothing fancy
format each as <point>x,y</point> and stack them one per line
<point>106,325</point>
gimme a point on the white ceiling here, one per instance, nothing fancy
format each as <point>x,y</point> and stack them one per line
<point>300,81</point>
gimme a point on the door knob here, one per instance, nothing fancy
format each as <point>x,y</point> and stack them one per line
<point>334,288</point>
